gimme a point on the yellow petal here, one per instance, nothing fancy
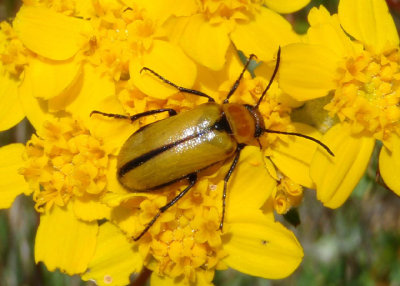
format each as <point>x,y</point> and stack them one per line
<point>64,242</point>
<point>50,34</point>
<point>336,177</point>
<point>258,246</point>
<point>286,6</point>
<point>205,43</point>
<point>88,91</point>
<point>389,164</point>
<point>12,183</point>
<point>209,81</point>
<point>88,208</point>
<point>293,157</point>
<point>10,105</point>
<point>51,78</point>
<point>167,60</point>
<point>250,184</point>
<point>264,35</point>
<point>326,31</point>
<point>114,259</point>
<point>370,22</point>
<point>307,71</point>
<point>36,110</point>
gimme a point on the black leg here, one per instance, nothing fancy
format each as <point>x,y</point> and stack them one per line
<point>278,60</point>
<point>181,89</point>
<point>226,179</point>
<point>236,84</point>
<point>132,118</point>
<point>192,180</point>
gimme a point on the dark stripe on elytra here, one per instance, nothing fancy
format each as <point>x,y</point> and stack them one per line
<point>151,154</point>
<point>221,125</point>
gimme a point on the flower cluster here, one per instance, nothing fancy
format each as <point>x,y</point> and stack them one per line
<point>62,60</point>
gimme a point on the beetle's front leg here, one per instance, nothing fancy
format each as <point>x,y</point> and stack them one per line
<point>180,88</point>
<point>226,179</point>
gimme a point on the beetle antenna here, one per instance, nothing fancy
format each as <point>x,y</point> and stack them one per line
<point>303,136</point>
<point>278,60</point>
<point>236,84</point>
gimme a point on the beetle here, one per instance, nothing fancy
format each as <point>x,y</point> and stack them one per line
<point>182,145</point>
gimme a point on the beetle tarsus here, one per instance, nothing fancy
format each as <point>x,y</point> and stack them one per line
<point>192,181</point>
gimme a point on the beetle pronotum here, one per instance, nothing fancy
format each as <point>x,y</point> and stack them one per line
<point>182,145</point>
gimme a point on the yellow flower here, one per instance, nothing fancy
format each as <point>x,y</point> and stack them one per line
<point>65,168</point>
<point>74,57</point>
<point>364,76</point>
<point>184,245</point>
<point>207,34</point>
<point>82,53</point>
<point>12,62</point>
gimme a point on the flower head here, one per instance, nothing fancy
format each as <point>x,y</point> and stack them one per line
<point>363,74</point>
<point>89,56</point>
<point>64,163</point>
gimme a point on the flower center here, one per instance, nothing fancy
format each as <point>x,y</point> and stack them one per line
<point>184,243</point>
<point>122,34</point>
<point>64,161</point>
<point>13,54</point>
<point>219,11</point>
<point>368,97</point>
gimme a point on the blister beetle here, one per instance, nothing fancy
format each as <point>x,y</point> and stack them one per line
<point>182,145</point>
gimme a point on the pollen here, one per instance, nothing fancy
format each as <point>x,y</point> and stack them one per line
<point>13,54</point>
<point>368,95</point>
<point>122,36</point>
<point>185,241</point>
<point>218,11</point>
<point>64,161</point>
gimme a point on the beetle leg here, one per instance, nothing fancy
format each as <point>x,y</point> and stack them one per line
<point>180,88</point>
<point>192,180</point>
<point>226,179</point>
<point>259,143</point>
<point>171,112</point>
<point>236,84</point>
<point>278,60</point>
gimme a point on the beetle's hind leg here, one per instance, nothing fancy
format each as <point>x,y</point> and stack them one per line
<point>132,118</point>
<point>192,181</point>
<point>180,88</point>
<point>226,179</point>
